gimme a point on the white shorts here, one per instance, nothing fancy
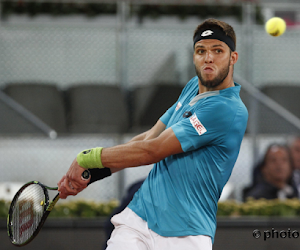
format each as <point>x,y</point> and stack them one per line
<point>132,233</point>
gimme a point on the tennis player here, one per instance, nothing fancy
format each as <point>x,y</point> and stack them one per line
<point>194,146</point>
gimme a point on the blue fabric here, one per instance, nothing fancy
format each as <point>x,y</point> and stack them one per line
<point>180,195</point>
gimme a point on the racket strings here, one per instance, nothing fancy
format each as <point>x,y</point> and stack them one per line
<point>27,213</point>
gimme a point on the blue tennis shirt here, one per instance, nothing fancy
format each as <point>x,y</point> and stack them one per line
<point>180,195</point>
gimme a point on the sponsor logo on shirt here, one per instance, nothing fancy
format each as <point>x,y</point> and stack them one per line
<point>178,106</point>
<point>187,114</point>
<point>197,124</point>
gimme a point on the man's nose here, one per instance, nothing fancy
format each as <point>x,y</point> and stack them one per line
<point>209,57</point>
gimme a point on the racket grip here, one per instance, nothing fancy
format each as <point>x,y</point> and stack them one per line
<point>86,174</point>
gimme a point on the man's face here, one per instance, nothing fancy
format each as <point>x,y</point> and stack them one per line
<point>278,166</point>
<point>212,60</point>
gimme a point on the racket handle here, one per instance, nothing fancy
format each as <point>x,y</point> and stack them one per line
<point>86,174</point>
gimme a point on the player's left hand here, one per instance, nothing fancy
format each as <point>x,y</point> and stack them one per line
<point>72,182</point>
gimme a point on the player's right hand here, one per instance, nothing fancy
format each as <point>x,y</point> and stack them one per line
<point>72,183</point>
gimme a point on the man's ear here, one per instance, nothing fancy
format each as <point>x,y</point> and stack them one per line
<point>233,57</point>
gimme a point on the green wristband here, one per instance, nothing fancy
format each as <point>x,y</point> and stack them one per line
<point>90,158</point>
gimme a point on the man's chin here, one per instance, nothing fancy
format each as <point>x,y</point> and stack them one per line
<point>210,84</point>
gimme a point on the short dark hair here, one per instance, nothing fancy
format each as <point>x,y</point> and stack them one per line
<point>257,175</point>
<point>277,145</point>
<point>217,24</point>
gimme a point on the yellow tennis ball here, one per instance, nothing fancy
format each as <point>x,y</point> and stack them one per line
<point>275,26</point>
<point>42,203</point>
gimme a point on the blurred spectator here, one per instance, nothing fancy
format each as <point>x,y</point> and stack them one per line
<point>272,178</point>
<point>295,151</point>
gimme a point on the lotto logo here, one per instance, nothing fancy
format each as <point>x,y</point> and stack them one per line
<point>207,33</point>
<point>198,126</point>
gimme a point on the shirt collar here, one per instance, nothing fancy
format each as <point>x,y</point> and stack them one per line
<point>236,88</point>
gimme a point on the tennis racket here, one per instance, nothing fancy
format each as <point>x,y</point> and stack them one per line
<point>29,210</point>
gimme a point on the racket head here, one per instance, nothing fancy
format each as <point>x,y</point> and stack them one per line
<point>27,212</point>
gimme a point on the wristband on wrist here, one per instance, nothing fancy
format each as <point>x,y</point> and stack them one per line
<point>90,158</point>
<point>99,174</point>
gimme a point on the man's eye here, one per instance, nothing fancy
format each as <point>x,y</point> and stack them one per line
<point>200,51</point>
<point>218,50</point>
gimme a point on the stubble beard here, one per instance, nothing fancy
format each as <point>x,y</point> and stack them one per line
<point>217,80</point>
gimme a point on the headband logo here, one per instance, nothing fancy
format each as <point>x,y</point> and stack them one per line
<point>207,33</point>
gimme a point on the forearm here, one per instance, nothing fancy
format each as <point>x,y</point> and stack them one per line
<point>132,154</point>
<point>152,133</point>
<point>139,137</point>
<point>139,153</point>
<point>134,151</point>
<point>141,150</point>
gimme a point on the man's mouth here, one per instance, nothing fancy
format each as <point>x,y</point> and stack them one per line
<point>208,70</point>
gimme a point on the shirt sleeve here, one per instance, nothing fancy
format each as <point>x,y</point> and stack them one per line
<point>207,125</point>
<point>167,115</point>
